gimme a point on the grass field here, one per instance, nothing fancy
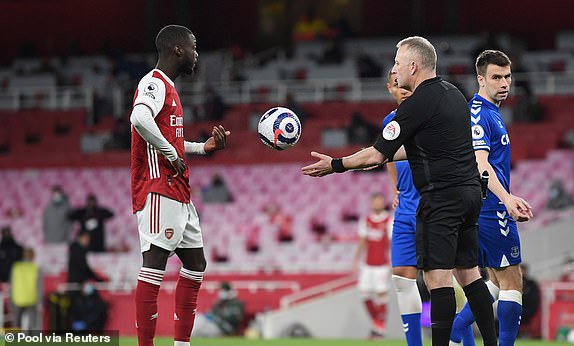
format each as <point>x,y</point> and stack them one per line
<point>307,342</point>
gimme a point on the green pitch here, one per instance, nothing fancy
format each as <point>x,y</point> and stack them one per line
<point>307,342</point>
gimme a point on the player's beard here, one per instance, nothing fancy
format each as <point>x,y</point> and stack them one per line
<point>188,67</point>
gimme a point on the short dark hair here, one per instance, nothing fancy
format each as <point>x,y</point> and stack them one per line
<point>170,36</point>
<point>491,57</point>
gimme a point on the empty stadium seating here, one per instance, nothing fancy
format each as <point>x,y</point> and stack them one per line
<point>227,226</point>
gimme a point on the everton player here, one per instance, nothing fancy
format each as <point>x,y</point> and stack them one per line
<point>167,220</point>
<point>499,245</point>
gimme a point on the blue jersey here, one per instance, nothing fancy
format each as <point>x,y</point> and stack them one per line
<point>489,133</point>
<point>409,196</point>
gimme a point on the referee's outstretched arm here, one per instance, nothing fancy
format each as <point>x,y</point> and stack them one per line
<point>365,158</point>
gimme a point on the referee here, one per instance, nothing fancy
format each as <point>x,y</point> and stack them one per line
<point>432,129</point>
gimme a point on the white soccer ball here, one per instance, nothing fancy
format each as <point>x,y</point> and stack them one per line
<point>279,128</point>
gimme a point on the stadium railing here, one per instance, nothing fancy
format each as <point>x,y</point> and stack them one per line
<point>258,91</point>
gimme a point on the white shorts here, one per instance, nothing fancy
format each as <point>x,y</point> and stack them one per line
<point>168,224</point>
<point>374,278</point>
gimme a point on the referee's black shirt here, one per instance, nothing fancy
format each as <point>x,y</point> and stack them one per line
<point>433,125</point>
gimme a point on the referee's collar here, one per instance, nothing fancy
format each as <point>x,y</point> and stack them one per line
<point>430,81</point>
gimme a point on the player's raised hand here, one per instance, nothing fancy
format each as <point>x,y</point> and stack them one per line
<point>178,165</point>
<point>518,208</point>
<point>218,139</point>
<point>319,168</point>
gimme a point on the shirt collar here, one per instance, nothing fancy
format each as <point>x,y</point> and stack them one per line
<point>164,76</point>
<point>430,81</point>
<point>485,101</point>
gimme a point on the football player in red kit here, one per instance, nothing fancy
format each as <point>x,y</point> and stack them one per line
<point>167,220</point>
<point>375,272</point>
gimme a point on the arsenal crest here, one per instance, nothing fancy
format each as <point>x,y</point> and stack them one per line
<point>169,233</point>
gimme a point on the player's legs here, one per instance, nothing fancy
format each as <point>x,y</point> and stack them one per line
<point>499,245</point>
<point>147,290</point>
<point>509,302</point>
<point>468,275</point>
<point>446,239</point>
<point>467,333</point>
<point>464,319</point>
<point>160,223</point>
<point>190,252</point>
<point>503,254</point>
<point>404,261</point>
<point>370,282</point>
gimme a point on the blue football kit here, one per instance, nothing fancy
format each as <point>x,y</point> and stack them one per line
<point>499,245</point>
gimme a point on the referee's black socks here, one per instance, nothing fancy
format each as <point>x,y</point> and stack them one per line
<point>480,303</point>
<point>443,310</point>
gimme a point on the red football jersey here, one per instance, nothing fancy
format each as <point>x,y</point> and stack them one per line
<point>375,228</point>
<point>151,172</point>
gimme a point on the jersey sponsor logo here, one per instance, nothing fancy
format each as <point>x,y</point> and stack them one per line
<point>505,139</point>
<point>169,233</point>
<point>391,131</point>
<point>477,132</point>
<point>150,90</point>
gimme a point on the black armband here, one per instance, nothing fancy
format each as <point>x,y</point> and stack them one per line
<point>337,165</point>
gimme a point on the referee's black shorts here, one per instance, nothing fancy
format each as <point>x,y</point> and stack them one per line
<point>447,228</point>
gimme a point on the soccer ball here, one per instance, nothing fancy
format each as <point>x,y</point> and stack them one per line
<point>279,128</point>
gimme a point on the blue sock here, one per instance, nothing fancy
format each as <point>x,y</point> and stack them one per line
<point>412,329</point>
<point>509,311</point>
<point>468,336</point>
<point>462,322</point>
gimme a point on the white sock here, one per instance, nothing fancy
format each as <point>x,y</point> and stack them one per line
<point>493,289</point>
<point>511,296</point>
<point>407,295</point>
<point>181,343</point>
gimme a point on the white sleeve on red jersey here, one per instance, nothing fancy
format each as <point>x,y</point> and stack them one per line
<point>194,148</point>
<point>151,92</point>
<point>363,227</point>
<point>144,123</point>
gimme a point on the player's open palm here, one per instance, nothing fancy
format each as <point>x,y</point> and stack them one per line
<point>319,168</point>
<point>518,208</point>
<point>218,139</point>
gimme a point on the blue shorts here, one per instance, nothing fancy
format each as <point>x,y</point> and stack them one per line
<point>498,241</point>
<point>403,246</point>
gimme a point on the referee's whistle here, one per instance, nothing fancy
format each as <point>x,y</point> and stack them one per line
<point>484,184</point>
